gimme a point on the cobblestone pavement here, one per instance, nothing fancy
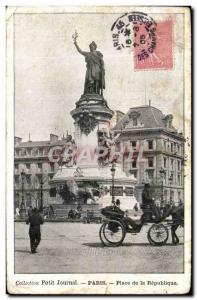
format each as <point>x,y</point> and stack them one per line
<point>76,248</point>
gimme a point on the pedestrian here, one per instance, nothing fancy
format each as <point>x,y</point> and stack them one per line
<point>51,211</point>
<point>35,220</point>
<point>29,212</point>
<point>17,212</point>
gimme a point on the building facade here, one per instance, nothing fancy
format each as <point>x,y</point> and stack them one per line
<point>154,152</point>
<point>35,163</point>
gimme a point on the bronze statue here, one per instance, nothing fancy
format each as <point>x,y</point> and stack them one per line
<point>95,73</point>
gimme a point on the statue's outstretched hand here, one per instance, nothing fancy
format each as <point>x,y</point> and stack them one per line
<point>75,36</point>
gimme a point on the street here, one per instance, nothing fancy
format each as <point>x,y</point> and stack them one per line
<point>76,248</point>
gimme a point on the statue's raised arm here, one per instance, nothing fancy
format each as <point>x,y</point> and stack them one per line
<point>75,36</point>
<point>79,49</point>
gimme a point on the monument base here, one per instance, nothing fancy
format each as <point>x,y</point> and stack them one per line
<point>97,183</point>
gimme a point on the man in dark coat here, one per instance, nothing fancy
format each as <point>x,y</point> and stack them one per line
<point>146,196</point>
<point>147,201</point>
<point>35,220</point>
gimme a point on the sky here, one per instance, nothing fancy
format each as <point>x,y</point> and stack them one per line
<point>50,73</point>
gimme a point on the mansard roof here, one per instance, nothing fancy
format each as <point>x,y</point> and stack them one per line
<point>149,117</point>
<point>35,144</point>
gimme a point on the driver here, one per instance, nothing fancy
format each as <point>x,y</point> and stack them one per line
<point>147,200</point>
<point>135,220</point>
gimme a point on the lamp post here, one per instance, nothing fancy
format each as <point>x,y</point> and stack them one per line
<point>170,182</point>
<point>22,188</point>
<point>113,170</point>
<point>162,173</point>
<point>41,194</point>
<point>22,208</point>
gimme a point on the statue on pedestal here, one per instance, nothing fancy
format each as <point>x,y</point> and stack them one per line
<point>95,73</point>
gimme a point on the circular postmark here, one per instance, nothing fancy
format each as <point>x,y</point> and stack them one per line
<point>135,30</point>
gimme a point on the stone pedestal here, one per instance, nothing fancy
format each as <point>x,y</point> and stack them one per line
<point>92,118</point>
<point>91,115</point>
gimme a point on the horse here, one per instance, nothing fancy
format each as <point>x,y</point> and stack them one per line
<point>177,214</point>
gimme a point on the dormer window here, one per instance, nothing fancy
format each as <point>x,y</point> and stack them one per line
<point>134,117</point>
<point>168,121</point>
<point>134,121</point>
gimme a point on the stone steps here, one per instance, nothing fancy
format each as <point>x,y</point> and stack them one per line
<point>89,210</point>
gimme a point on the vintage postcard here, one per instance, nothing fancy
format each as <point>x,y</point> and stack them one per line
<point>98,150</point>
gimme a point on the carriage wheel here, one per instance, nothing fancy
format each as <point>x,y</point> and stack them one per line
<point>157,235</point>
<point>112,233</point>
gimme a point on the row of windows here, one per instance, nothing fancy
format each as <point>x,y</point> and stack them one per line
<point>31,152</point>
<point>171,194</point>
<point>172,164</point>
<point>39,167</point>
<point>174,148</point>
<point>32,180</point>
<point>173,179</point>
<point>150,144</point>
<point>150,175</point>
<point>150,163</point>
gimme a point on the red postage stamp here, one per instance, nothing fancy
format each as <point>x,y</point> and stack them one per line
<point>162,55</point>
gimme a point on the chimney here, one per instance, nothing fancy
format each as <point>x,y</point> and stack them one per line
<point>17,140</point>
<point>29,138</point>
<point>53,137</point>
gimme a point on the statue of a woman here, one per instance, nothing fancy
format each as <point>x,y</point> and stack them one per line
<point>95,73</point>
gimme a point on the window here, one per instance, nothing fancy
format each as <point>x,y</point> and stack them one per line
<point>172,147</point>
<point>178,149</point>
<point>17,152</point>
<point>134,173</point>
<point>16,178</point>
<point>164,145</point>
<point>150,145</point>
<point>165,195</point>
<point>133,144</point>
<point>39,167</point>
<point>28,199</point>
<point>150,162</point>
<point>171,179</point>
<point>28,178</point>
<point>40,151</point>
<point>164,177</point>
<point>165,162</point>
<point>179,197</point>
<point>172,163</point>
<point>150,174</point>
<point>52,167</point>
<point>134,121</point>
<point>179,179</point>
<point>178,165</point>
<point>16,167</point>
<point>134,164</point>
<point>28,167</point>
<point>29,152</point>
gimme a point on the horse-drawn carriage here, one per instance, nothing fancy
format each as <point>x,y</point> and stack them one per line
<point>116,225</point>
